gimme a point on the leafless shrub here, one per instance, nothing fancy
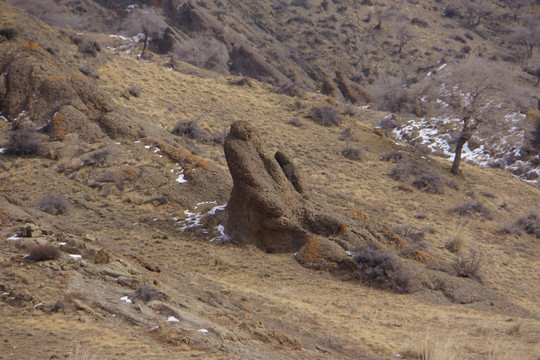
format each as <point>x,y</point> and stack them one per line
<point>8,33</point>
<point>475,10</point>
<point>218,137</point>
<point>295,122</point>
<point>471,208</point>
<point>406,169</point>
<point>381,269</point>
<point>352,152</point>
<point>190,129</point>
<point>455,242</point>
<point>430,183</point>
<point>23,142</point>
<point>52,13</point>
<point>148,20</point>
<point>134,90</point>
<point>388,123</point>
<point>346,134</point>
<point>392,155</point>
<point>89,47</point>
<point>204,52</point>
<point>529,224</point>
<point>350,110</point>
<point>96,158</point>
<point>325,115</point>
<point>43,252</point>
<point>409,233</point>
<point>291,90</point>
<point>148,293</point>
<point>306,4</point>
<point>240,81</point>
<point>89,70</point>
<point>53,204</point>
<point>389,94</point>
<point>469,265</point>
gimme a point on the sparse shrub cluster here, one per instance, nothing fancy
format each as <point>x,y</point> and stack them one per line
<point>23,142</point>
<point>190,129</point>
<point>471,208</point>
<point>382,269</point>
<point>423,178</point>
<point>53,204</point>
<point>204,52</point>
<point>240,81</point>
<point>409,233</point>
<point>291,90</point>
<point>89,70</point>
<point>134,90</point>
<point>393,156</point>
<point>529,224</point>
<point>352,152</point>
<point>96,158</point>
<point>43,252</point>
<point>469,265</point>
<point>148,293</point>
<point>325,115</point>
<point>89,47</point>
<point>295,122</point>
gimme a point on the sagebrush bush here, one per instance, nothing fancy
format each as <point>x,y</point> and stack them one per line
<point>43,252</point>
<point>529,224</point>
<point>388,123</point>
<point>469,265</point>
<point>204,52</point>
<point>471,208</point>
<point>88,70</point>
<point>291,90</point>
<point>96,158</point>
<point>406,169</point>
<point>218,137</point>
<point>134,90</point>
<point>430,183</point>
<point>392,155</point>
<point>295,122</point>
<point>89,47</point>
<point>53,204</point>
<point>409,233</point>
<point>190,129</point>
<point>382,269</point>
<point>326,115</point>
<point>455,242</point>
<point>24,142</point>
<point>240,81</point>
<point>148,293</point>
<point>352,152</point>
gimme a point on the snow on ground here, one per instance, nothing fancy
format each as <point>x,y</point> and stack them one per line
<point>490,149</point>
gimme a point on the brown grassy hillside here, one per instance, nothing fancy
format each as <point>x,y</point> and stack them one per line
<point>126,213</point>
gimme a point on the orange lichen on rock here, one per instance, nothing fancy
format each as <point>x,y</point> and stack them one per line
<point>54,77</point>
<point>312,251</point>
<point>358,213</point>
<point>31,46</point>
<point>395,240</point>
<point>58,130</point>
<point>183,157</point>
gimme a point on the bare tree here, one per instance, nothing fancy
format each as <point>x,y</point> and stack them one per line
<point>150,21</point>
<point>527,34</point>
<point>404,32</point>
<point>532,67</point>
<point>518,6</point>
<point>475,10</point>
<point>476,92</point>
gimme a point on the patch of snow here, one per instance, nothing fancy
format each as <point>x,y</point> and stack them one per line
<point>223,237</point>
<point>38,305</point>
<point>126,299</point>
<point>147,147</point>
<point>181,179</point>
<point>75,256</point>
<point>62,244</point>
<point>202,330</point>
<point>442,66</point>
<point>136,142</point>
<point>157,150</point>
<point>4,118</point>
<point>193,220</point>
<point>205,203</point>
<point>172,319</point>
<point>2,150</point>
<point>349,253</point>
<point>14,238</point>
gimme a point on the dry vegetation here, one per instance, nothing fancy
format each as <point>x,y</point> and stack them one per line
<point>124,193</point>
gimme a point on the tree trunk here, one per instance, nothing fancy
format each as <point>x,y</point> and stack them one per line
<point>145,41</point>
<point>457,157</point>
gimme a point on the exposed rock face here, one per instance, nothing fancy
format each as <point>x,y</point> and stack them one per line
<point>264,208</point>
<point>329,88</point>
<point>350,90</point>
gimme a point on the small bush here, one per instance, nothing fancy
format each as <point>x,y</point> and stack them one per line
<point>529,224</point>
<point>134,90</point>
<point>89,70</point>
<point>8,33</point>
<point>218,137</point>
<point>291,90</point>
<point>409,233</point>
<point>405,169</point>
<point>388,123</point>
<point>392,155</point>
<point>352,153</point>
<point>455,243</point>
<point>43,252</point>
<point>53,204</point>
<point>89,47</point>
<point>325,115</point>
<point>470,265</point>
<point>148,293</point>
<point>295,122</point>
<point>471,208</point>
<point>190,129</point>
<point>430,183</point>
<point>381,269</point>
<point>241,81</point>
<point>96,158</point>
<point>346,134</point>
<point>24,142</point>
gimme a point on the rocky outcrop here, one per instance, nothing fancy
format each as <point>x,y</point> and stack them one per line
<point>350,90</point>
